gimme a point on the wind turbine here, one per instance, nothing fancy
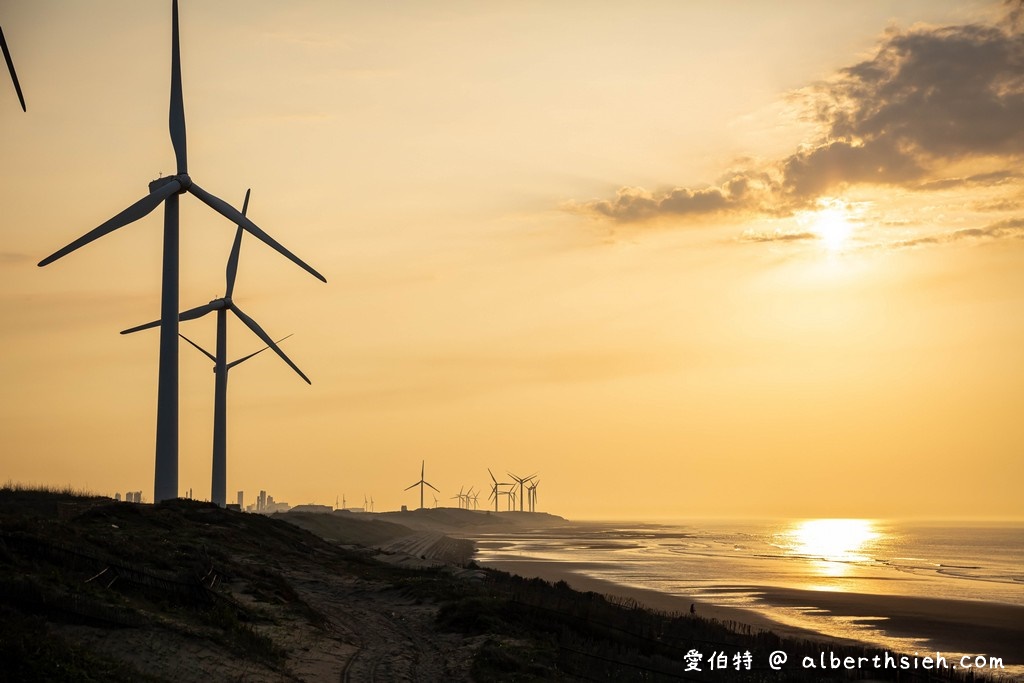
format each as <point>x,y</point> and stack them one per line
<point>532,492</point>
<point>165,191</point>
<point>423,482</point>
<point>495,491</point>
<point>521,481</point>
<point>459,496</point>
<point>220,361</point>
<point>10,67</point>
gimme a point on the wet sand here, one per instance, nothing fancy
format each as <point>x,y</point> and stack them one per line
<point>949,626</point>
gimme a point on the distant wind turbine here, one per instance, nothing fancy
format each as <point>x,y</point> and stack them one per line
<point>10,67</point>
<point>165,191</point>
<point>521,481</point>
<point>421,483</point>
<point>496,492</point>
<point>220,361</point>
<point>460,497</point>
<point>532,493</point>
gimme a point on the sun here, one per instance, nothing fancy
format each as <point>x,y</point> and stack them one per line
<point>831,222</point>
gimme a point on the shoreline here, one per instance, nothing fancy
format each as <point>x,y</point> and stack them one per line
<point>949,626</point>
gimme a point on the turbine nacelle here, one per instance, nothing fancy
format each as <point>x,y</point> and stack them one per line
<point>182,179</point>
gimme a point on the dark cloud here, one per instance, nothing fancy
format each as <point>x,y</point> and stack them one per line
<point>986,179</point>
<point>928,99</point>
<point>739,191</point>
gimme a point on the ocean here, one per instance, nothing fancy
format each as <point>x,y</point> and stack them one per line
<point>761,565</point>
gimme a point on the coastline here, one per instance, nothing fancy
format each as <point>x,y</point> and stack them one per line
<point>948,626</point>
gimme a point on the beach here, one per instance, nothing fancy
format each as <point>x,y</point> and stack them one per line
<point>966,627</point>
<point>950,588</point>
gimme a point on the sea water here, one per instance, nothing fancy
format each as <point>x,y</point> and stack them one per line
<point>732,563</point>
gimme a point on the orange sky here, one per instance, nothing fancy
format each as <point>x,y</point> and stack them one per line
<point>680,259</point>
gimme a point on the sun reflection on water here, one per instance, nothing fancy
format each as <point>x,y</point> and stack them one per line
<point>833,545</point>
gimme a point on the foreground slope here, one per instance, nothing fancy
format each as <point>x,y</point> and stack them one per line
<point>95,590</point>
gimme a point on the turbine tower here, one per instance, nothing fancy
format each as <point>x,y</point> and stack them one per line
<point>10,67</point>
<point>165,191</point>
<point>423,482</point>
<point>221,366</point>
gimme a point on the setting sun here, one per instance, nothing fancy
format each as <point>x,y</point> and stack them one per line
<point>831,223</point>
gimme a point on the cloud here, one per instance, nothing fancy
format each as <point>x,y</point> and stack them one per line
<point>13,258</point>
<point>740,191</point>
<point>777,236</point>
<point>1013,228</point>
<point>983,179</point>
<point>929,99</point>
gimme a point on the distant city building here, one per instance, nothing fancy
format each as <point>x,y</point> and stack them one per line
<point>117,497</point>
<point>241,496</point>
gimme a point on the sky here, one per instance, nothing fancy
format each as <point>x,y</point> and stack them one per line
<point>701,259</point>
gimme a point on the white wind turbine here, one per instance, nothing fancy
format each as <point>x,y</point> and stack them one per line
<point>165,191</point>
<point>220,360</point>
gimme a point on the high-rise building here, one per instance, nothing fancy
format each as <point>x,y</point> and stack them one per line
<point>241,497</point>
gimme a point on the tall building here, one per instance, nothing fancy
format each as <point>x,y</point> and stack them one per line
<point>240,499</point>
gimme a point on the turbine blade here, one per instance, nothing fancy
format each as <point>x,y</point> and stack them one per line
<point>432,486</point>
<point>236,248</point>
<point>235,216</point>
<point>254,353</point>
<point>409,487</point>
<point>200,311</point>
<point>176,118</point>
<point>133,213</point>
<point>191,314</point>
<point>492,475</point>
<point>204,351</point>
<point>251,324</point>
<point>139,328</point>
<point>10,67</point>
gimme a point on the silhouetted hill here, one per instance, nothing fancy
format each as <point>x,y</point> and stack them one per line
<point>93,590</point>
